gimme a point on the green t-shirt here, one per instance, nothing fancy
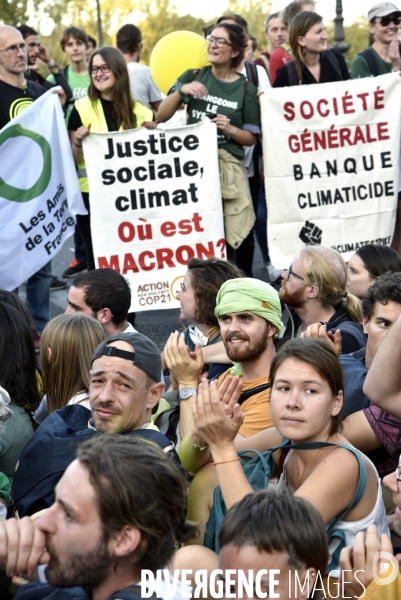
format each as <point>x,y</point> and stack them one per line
<point>360,67</point>
<point>79,85</point>
<point>225,98</point>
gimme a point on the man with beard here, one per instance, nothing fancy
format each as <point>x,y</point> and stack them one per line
<point>249,315</point>
<point>314,290</point>
<point>16,94</point>
<point>35,50</point>
<point>119,508</point>
<point>124,387</point>
<point>125,383</point>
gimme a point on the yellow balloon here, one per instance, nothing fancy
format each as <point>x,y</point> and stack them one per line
<point>174,54</point>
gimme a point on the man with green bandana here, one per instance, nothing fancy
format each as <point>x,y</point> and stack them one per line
<point>249,313</point>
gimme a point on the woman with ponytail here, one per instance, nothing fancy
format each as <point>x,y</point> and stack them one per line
<point>313,62</point>
<point>314,288</point>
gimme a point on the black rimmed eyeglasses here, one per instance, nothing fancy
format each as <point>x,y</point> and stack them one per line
<point>101,68</point>
<point>291,272</point>
<point>219,41</point>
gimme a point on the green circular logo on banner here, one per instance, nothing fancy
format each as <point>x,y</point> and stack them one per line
<point>24,195</point>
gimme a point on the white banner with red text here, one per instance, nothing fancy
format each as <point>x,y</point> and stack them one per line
<point>39,191</point>
<point>155,203</point>
<point>331,155</point>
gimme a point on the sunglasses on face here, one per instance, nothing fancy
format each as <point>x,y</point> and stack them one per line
<point>385,21</point>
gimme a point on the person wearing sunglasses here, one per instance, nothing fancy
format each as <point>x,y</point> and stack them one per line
<point>108,106</point>
<point>219,92</point>
<point>383,56</point>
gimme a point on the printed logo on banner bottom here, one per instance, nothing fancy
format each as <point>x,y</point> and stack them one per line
<point>24,195</point>
<point>310,234</point>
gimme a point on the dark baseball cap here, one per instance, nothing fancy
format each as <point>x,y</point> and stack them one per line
<point>146,356</point>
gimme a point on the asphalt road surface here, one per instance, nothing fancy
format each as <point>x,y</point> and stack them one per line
<point>156,324</point>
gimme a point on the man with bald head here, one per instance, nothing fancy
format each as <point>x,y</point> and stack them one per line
<point>16,94</point>
<point>15,91</point>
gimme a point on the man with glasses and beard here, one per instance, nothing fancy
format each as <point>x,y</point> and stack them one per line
<point>119,508</point>
<point>16,94</point>
<point>314,290</point>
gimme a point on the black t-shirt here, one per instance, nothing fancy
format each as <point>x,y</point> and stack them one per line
<point>14,100</point>
<point>327,72</point>
<point>75,120</point>
<point>39,79</point>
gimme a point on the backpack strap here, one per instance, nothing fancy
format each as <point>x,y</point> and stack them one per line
<point>332,531</point>
<point>255,390</point>
<point>64,71</point>
<point>252,73</point>
<point>333,60</point>
<point>266,62</point>
<point>371,60</point>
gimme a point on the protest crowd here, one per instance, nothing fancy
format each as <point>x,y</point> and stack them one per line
<point>265,439</point>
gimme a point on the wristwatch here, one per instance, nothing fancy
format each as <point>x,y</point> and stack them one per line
<point>186,393</point>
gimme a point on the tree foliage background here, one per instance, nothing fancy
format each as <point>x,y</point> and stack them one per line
<point>155,18</point>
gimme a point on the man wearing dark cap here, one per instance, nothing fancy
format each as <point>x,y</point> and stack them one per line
<point>125,386</point>
<point>125,383</point>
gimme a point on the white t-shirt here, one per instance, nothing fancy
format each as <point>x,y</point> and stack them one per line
<point>143,88</point>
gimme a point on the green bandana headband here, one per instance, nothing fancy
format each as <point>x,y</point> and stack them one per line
<point>254,295</point>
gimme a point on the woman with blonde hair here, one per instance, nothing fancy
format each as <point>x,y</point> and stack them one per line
<point>313,61</point>
<point>66,348</point>
<point>314,290</point>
